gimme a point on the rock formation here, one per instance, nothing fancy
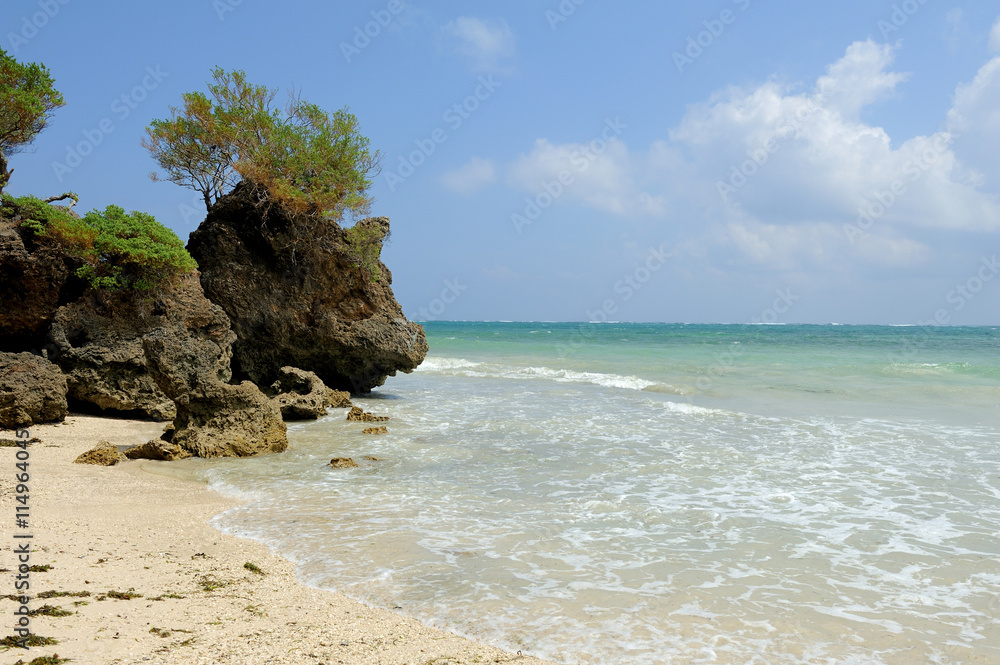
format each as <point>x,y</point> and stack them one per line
<point>97,341</point>
<point>34,282</point>
<point>94,337</point>
<point>32,390</point>
<point>214,419</point>
<point>381,429</point>
<point>343,463</point>
<point>298,295</point>
<point>301,293</point>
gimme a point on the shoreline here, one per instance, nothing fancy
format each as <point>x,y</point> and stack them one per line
<point>184,591</point>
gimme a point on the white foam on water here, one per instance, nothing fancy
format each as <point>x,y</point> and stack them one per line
<point>691,409</point>
<point>614,527</point>
<point>468,368</point>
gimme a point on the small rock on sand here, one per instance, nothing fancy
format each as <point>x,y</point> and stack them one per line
<point>103,454</point>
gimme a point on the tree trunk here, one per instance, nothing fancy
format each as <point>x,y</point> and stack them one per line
<point>4,173</point>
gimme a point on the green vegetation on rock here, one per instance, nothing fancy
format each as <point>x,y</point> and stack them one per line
<point>133,251</point>
<point>302,158</point>
<point>364,244</point>
<point>119,251</point>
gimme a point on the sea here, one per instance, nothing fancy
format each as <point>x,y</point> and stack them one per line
<point>640,494</point>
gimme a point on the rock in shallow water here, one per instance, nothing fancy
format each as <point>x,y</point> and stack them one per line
<point>300,395</point>
<point>343,463</point>
<point>359,415</point>
<point>338,399</point>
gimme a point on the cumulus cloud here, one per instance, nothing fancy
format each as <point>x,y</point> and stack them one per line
<point>974,119</point>
<point>470,177</point>
<point>485,44</point>
<point>859,79</point>
<point>783,175</point>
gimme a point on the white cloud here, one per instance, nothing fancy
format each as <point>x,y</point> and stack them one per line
<point>818,165</point>
<point>470,177</point>
<point>995,36</point>
<point>598,173</point>
<point>974,119</point>
<point>859,79</point>
<point>817,245</point>
<point>484,43</point>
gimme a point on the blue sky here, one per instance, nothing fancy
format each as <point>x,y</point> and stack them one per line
<point>724,161</point>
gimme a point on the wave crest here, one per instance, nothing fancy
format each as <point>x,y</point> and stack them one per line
<point>463,367</point>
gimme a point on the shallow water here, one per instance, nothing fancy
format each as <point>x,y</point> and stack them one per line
<point>663,494</point>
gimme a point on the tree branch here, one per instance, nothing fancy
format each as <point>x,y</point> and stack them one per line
<point>61,197</point>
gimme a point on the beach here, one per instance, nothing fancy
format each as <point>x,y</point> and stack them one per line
<point>185,592</point>
<point>633,494</point>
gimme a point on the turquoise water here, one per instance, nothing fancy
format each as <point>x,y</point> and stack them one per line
<point>663,493</point>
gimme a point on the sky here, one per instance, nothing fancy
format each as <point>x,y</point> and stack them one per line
<point>729,161</point>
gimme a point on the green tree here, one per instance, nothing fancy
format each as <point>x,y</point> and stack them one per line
<point>301,157</point>
<point>27,100</point>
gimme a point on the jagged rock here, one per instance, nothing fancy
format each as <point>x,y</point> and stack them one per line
<point>343,463</point>
<point>103,454</point>
<point>157,449</point>
<point>214,419</point>
<point>338,399</point>
<point>94,337</point>
<point>297,296</point>
<point>32,390</point>
<point>299,394</point>
<point>34,282</point>
<point>97,341</point>
<point>381,429</point>
<point>358,415</point>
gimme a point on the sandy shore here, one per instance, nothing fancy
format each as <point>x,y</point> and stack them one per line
<point>123,529</point>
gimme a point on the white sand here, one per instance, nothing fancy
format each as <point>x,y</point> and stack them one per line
<point>123,528</point>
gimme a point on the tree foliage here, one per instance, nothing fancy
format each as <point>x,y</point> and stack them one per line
<point>27,99</point>
<point>301,157</point>
<point>119,251</point>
